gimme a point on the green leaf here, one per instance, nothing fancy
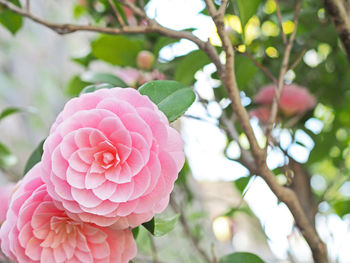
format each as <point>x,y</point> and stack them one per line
<point>189,65</point>
<point>164,226</point>
<point>241,257</point>
<point>135,232</point>
<point>117,50</point>
<point>342,207</point>
<point>9,111</point>
<point>94,77</point>
<point>35,157</point>
<point>11,21</point>
<point>161,226</point>
<point>171,97</point>
<point>84,60</point>
<point>246,9</point>
<point>92,88</point>
<point>150,225</point>
<point>241,183</point>
<point>75,86</point>
<point>7,159</point>
<point>245,70</point>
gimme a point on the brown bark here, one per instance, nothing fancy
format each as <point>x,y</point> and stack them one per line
<point>339,12</point>
<point>302,187</point>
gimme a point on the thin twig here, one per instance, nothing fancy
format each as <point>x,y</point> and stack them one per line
<point>280,22</point>
<point>261,67</point>
<point>283,70</point>
<point>153,249</point>
<point>298,59</point>
<point>187,230</point>
<point>215,259</point>
<point>246,158</point>
<point>116,13</point>
<point>28,5</point>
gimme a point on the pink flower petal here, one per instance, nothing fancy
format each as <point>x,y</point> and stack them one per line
<point>85,197</point>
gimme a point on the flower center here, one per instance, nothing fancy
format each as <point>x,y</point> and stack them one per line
<point>63,225</point>
<point>106,159</point>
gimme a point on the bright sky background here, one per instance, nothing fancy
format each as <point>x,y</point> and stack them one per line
<point>205,144</point>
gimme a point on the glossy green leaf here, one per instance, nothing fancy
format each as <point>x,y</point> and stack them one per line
<point>95,77</point>
<point>164,226</point>
<point>247,8</point>
<point>7,159</point>
<point>161,226</point>
<point>117,50</point>
<point>135,232</point>
<point>94,87</point>
<point>84,60</point>
<point>241,257</point>
<point>75,86</point>
<point>11,21</point>
<point>189,65</point>
<point>342,207</point>
<point>171,97</point>
<point>150,225</point>
<point>241,183</point>
<point>9,111</point>
<point>35,157</point>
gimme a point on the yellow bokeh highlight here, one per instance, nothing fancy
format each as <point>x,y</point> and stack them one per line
<point>242,48</point>
<point>271,52</point>
<point>270,6</point>
<point>215,39</point>
<point>222,228</point>
<point>252,30</point>
<point>270,29</point>
<point>324,50</point>
<point>288,27</point>
<point>233,22</point>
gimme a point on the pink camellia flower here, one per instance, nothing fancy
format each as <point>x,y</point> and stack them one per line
<point>37,230</point>
<point>134,77</point>
<point>130,76</point>
<point>5,195</point>
<point>262,113</point>
<point>294,99</point>
<point>112,158</point>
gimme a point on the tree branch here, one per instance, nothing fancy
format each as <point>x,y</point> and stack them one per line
<point>284,194</point>
<point>339,11</point>
<point>229,81</point>
<point>153,28</point>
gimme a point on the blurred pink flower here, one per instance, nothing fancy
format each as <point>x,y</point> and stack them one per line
<point>262,113</point>
<point>5,195</point>
<point>294,98</point>
<point>36,230</point>
<point>130,76</point>
<point>112,158</point>
<point>134,77</point>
